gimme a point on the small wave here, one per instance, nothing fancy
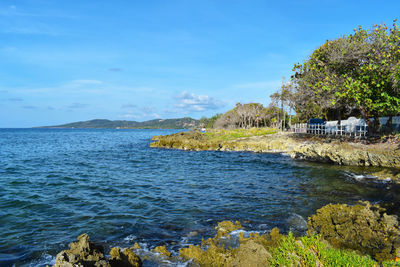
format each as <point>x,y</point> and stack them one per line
<point>130,238</point>
<point>45,259</point>
<point>153,258</point>
<point>363,177</point>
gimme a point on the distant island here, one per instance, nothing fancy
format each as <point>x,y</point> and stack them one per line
<point>181,123</point>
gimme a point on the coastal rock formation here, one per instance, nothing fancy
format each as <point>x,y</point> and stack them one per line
<point>124,258</point>
<point>363,227</point>
<point>317,149</point>
<point>351,154</point>
<point>251,254</point>
<point>84,253</point>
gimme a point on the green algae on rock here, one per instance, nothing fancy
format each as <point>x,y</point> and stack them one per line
<point>162,250</point>
<point>124,258</point>
<point>84,253</point>
<point>364,227</point>
<point>273,249</point>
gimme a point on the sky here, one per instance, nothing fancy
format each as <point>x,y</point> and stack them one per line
<point>76,60</point>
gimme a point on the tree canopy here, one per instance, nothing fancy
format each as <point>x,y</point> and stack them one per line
<point>359,71</point>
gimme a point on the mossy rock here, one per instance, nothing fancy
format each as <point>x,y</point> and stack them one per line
<point>162,250</point>
<point>364,227</point>
<point>82,253</point>
<point>124,258</point>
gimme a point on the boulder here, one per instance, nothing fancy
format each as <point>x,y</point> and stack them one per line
<point>251,254</point>
<point>364,227</point>
<point>82,253</point>
<point>124,258</point>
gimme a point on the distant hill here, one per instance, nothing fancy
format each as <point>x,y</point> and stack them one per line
<point>182,123</point>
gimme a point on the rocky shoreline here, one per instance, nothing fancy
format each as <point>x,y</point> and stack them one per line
<point>338,235</point>
<point>327,150</point>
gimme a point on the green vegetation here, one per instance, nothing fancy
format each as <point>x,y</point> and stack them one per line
<point>312,251</point>
<point>354,75</point>
<point>358,74</point>
<point>272,249</point>
<point>183,123</point>
<point>226,135</point>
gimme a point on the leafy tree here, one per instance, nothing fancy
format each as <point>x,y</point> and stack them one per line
<point>359,71</point>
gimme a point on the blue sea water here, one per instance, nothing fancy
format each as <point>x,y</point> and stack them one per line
<point>56,184</point>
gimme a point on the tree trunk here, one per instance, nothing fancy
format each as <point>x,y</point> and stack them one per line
<point>389,125</point>
<point>372,125</point>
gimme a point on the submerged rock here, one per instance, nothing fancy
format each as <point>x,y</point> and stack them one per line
<point>84,253</point>
<point>363,227</point>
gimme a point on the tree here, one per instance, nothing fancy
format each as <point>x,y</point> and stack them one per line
<point>357,71</point>
<point>245,116</point>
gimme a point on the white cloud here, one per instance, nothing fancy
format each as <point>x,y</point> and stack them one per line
<point>190,102</point>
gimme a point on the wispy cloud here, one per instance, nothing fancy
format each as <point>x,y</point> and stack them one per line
<point>15,99</point>
<point>140,113</point>
<point>35,28</point>
<point>115,69</point>
<point>85,82</point>
<point>30,107</point>
<point>29,21</point>
<point>190,102</point>
<point>126,106</point>
<point>77,106</point>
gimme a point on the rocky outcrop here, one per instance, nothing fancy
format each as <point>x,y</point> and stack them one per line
<point>84,253</point>
<point>362,227</point>
<point>326,150</point>
<point>350,154</point>
<point>124,258</point>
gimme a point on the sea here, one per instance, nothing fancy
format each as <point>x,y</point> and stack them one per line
<point>56,184</point>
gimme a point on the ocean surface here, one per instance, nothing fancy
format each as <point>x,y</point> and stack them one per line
<point>56,184</point>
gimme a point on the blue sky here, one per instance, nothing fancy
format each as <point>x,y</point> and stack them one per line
<point>65,61</point>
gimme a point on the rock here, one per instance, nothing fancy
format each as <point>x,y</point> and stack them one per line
<point>82,253</point>
<point>136,246</point>
<point>226,227</point>
<point>162,250</point>
<point>306,147</point>
<point>213,256</point>
<point>363,227</point>
<point>126,258</point>
<point>350,154</point>
<point>251,254</point>
<point>388,175</point>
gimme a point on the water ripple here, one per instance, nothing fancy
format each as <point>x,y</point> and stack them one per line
<point>56,184</point>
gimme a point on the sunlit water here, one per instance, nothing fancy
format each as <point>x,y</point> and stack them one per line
<point>56,184</point>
